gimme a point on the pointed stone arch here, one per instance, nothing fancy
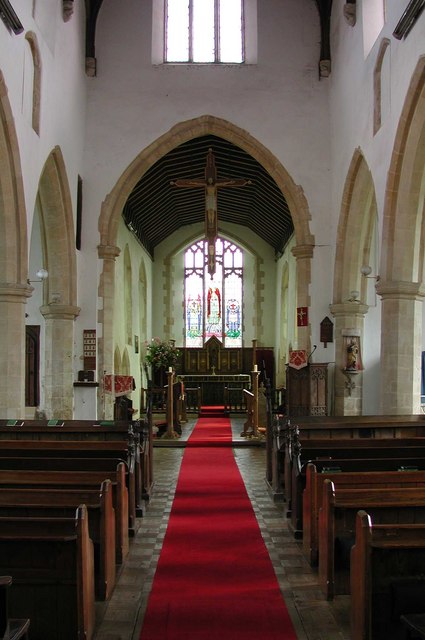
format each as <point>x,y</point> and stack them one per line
<point>402,264</point>
<point>60,291</point>
<point>14,289</point>
<point>182,132</point>
<point>355,229</point>
<point>36,85</point>
<point>379,84</point>
<point>114,202</point>
<point>354,236</point>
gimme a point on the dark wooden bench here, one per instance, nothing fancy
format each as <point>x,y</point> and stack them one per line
<point>403,449</point>
<point>63,503</point>
<point>386,576</point>
<point>51,561</point>
<point>106,465</point>
<point>349,473</point>
<point>337,518</point>
<point>135,436</point>
<point>38,479</point>
<point>10,628</point>
<point>289,432</point>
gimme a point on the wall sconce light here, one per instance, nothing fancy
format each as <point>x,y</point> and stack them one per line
<point>41,274</point>
<point>366,270</point>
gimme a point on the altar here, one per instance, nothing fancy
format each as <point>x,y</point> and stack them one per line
<point>218,389</point>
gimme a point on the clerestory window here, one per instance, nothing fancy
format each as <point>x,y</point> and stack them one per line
<point>213,306</point>
<point>204,31</point>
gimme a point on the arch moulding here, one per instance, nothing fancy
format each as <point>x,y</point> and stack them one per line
<point>114,202</point>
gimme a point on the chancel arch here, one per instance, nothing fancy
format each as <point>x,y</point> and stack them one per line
<point>354,250</point>
<point>114,203</point>
<point>401,285</point>
<point>14,289</point>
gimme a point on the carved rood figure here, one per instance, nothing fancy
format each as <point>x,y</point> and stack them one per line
<point>210,184</point>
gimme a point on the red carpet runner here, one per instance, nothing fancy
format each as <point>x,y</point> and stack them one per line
<point>214,579</point>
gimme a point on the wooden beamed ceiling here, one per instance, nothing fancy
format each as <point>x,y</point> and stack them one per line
<point>155,208</point>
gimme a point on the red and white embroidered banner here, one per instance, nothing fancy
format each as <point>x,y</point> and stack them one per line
<point>298,358</point>
<point>121,385</point>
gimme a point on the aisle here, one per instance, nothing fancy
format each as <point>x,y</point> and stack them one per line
<point>122,617</point>
<point>214,577</point>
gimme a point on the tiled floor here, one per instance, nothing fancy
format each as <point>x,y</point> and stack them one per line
<point>313,617</point>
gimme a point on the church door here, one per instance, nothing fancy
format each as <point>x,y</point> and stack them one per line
<point>32,366</point>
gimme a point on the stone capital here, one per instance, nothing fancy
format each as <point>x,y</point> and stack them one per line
<point>303,251</point>
<point>59,311</point>
<point>15,292</point>
<point>350,309</point>
<point>108,252</point>
<point>399,290</point>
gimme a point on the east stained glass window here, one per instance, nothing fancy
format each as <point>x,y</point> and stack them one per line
<point>213,305</point>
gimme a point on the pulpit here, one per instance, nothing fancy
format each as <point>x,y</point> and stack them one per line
<point>307,390</point>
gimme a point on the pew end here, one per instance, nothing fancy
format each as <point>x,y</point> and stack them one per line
<point>10,628</point>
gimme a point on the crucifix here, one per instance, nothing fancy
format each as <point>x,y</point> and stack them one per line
<point>210,184</point>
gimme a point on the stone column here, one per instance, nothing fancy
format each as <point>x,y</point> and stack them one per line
<point>105,342</point>
<point>13,297</point>
<point>401,346</point>
<point>58,359</point>
<point>303,254</point>
<point>349,320</point>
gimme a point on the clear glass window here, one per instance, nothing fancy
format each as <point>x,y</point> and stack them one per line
<point>204,31</point>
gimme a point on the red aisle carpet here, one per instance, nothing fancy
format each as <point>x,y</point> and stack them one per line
<point>214,579</point>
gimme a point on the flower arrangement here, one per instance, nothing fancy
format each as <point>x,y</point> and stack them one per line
<point>160,353</point>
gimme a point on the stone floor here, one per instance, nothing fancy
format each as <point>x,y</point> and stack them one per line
<point>313,617</point>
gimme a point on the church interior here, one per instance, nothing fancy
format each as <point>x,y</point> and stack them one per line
<point>227,196</point>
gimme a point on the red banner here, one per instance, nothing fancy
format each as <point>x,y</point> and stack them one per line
<point>298,358</point>
<point>302,316</point>
<point>121,385</point>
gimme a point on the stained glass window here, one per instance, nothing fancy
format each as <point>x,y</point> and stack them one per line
<point>213,306</point>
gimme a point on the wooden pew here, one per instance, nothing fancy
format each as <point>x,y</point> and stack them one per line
<point>290,432</point>
<point>387,563</point>
<point>51,561</point>
<point>351,473</point>
<point>105,465</point>
<point>401,505</point>
<point>130,450</point>
<point>10,628</point>
<point>404,449</point>
<point>63,503</point>
<point>79,480</point>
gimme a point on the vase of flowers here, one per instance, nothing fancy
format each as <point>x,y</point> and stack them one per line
<point>160,355</point>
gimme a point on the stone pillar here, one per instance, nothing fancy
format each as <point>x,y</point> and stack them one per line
<point>105,342</point>
<point>58,359</point>
<point>401,346</point>
<point>303,254</point>
<point>349,320</point>
<point>12,349</point>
